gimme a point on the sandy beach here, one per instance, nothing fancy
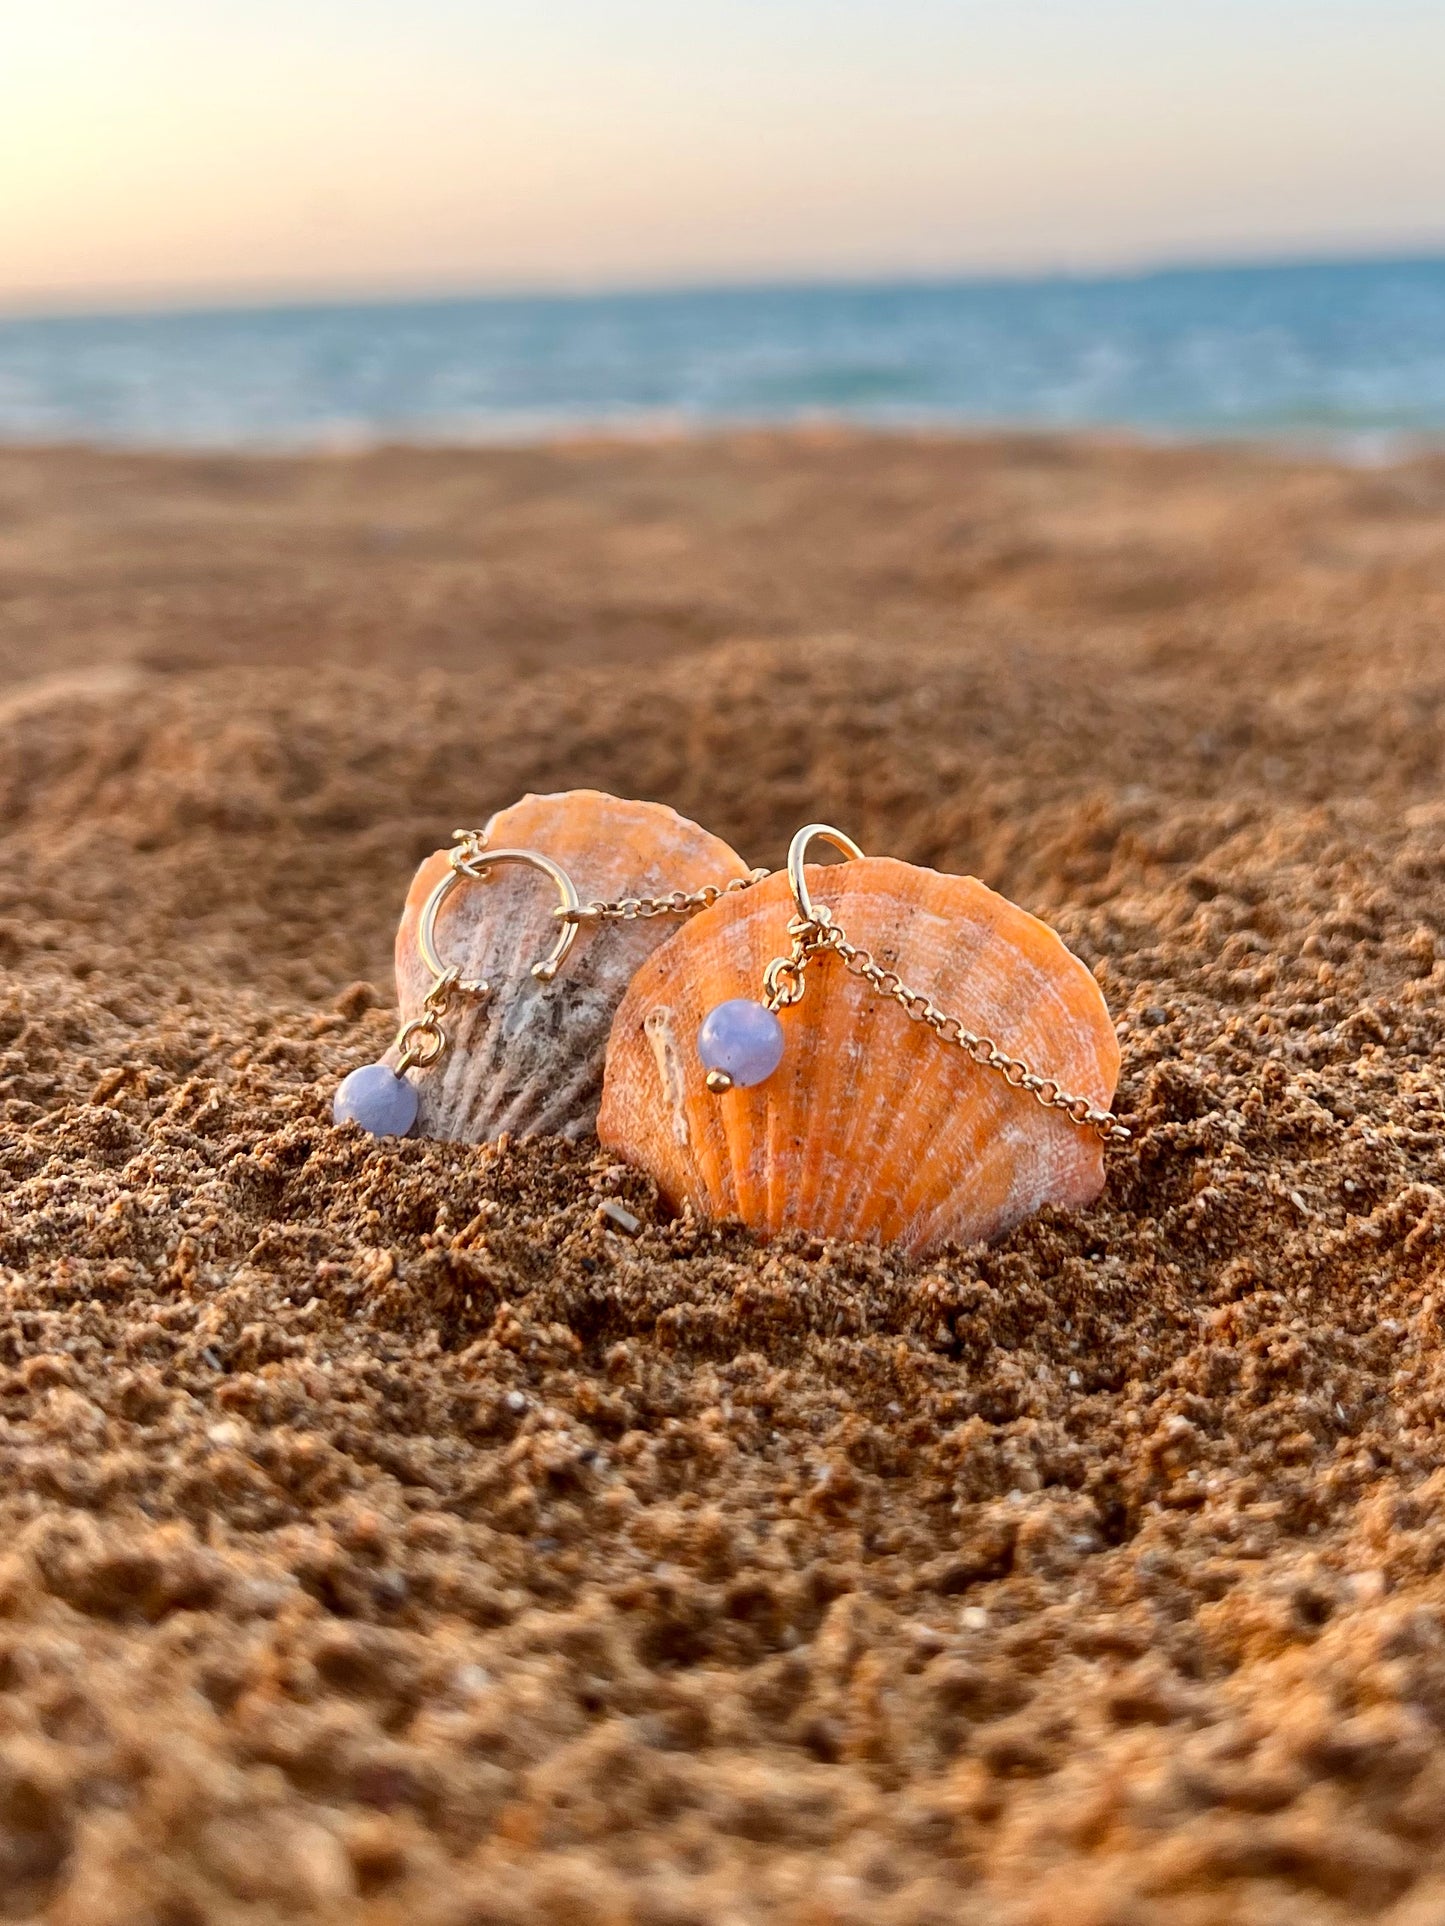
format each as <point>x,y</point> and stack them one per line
<point>385,1536</point>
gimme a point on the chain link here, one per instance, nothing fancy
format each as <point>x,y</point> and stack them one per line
<point>422,1040</point>
<point>680,902</point>
<point>812,936</point>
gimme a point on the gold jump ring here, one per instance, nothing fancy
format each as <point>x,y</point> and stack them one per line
<point>798,849</point>
<point>476,868</point>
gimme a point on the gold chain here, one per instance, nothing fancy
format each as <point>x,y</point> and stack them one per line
<point>422,1040</point>
<point>680,902</point>
<point>813,935</point>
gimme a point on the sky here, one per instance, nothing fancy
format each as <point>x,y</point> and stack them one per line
<point>164,151</point>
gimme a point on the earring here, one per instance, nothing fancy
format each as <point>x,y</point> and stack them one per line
<point>742,1048</point>
<point>741,1041</point>
<point>493,1040</point>
<point>380,1098</point>
<point>826,1105</point>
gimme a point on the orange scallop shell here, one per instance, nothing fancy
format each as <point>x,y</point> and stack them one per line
<point>528,1058</point>
<point>872,1127</point>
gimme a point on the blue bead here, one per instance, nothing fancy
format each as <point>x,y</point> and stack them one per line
<point>378,1099</point>
<point>742,1038</point>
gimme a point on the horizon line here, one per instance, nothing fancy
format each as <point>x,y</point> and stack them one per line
<point>180,302</point>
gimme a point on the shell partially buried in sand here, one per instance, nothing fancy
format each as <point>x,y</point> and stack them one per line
<point>528,1057</point>
<point>872,1127</point>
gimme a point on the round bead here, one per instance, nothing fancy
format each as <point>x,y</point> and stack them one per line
<point>742,1038</point>
<point>378,1099</point>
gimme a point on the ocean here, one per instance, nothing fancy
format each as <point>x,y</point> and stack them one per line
<point>1351,353</point>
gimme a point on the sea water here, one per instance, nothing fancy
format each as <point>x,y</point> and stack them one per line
<point>1350,353</point>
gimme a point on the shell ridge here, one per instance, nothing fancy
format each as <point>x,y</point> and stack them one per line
<point>889,1029</point>
<point>1032,1017</point>
<point>488,1073</point>
<point>782,1199</point>
<point>838,1180</point>
<point>974,1104</point>
<point>553,1118</point>
<point>911,1050</point>
<point>543,1026</point>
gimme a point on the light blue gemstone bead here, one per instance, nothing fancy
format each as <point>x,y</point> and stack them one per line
<point>378,1099</point>
<point>742,1038</point>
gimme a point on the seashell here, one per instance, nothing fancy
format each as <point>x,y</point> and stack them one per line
<point>528,1057</point>
<point>872,1127</point>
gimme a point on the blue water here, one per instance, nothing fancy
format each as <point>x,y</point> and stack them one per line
<point>1351,350</point>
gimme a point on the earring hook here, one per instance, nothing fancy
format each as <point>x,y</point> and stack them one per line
<point>798,849</point>
<point>472,861</point>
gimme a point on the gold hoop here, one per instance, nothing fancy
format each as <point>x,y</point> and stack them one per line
<point>798,849</point>
<point>475,863</point>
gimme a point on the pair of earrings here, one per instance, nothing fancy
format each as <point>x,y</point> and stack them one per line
<point>687,1038</point>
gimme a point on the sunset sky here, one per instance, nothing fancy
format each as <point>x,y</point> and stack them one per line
<point>206,149</point>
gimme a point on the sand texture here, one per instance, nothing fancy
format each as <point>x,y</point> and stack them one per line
<point>387,1536</point>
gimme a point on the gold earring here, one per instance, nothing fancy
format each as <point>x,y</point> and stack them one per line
<point>381,1099</point>
<point>741,1041</point>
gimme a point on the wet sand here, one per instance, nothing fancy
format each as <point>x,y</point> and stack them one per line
<point>388,1537</point>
